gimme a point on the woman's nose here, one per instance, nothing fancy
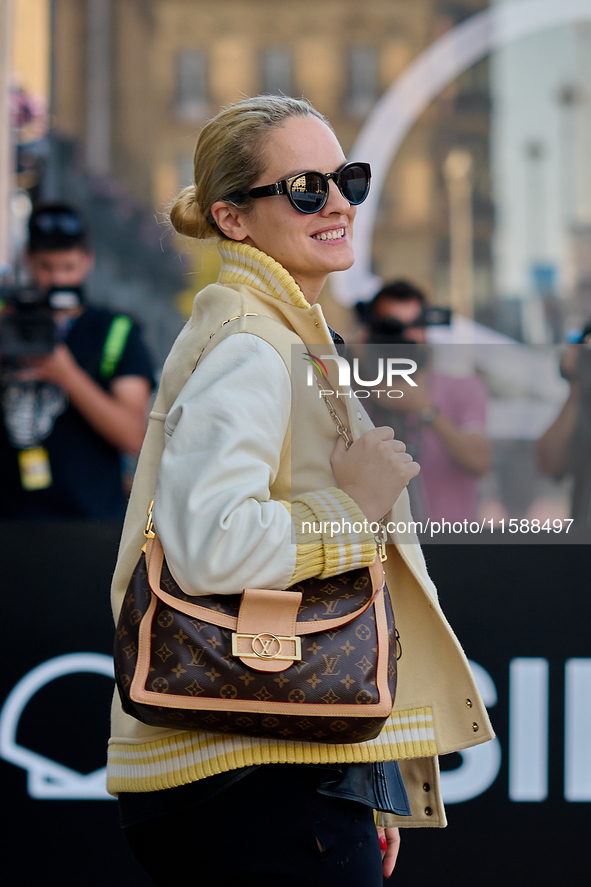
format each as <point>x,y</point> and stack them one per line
<point>336,202</point>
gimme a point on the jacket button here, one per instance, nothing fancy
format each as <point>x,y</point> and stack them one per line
<point>428,811</point>
<point>469,703</point>
<point>359,415</point>
<point>475,727</point>
<point>316,323</point>
<point>426,787</point>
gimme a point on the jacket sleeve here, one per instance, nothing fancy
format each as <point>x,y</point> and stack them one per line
<point>219,527</point>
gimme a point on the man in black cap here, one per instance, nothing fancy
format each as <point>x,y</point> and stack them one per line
<point>69,416</point>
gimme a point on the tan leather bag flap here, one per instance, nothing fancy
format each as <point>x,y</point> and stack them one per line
<point>266,638</point>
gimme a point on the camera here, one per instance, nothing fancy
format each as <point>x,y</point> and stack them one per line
<point>389,331</point>
<point>28,328</point>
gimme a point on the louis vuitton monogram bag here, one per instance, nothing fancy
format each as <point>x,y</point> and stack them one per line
<point>316,662</point>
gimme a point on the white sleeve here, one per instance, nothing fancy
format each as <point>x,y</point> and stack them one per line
<point>219,528</point>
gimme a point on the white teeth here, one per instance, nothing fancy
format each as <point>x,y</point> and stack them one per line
<point>330,235</point>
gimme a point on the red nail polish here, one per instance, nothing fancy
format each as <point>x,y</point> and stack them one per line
<point>383,843</point>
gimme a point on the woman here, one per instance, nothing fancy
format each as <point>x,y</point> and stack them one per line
<point>237,467</point>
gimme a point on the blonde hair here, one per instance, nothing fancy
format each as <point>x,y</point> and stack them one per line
<point>229,158</point>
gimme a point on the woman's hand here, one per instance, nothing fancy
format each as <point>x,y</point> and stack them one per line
<point>390,844</point>
<point>374,471</point>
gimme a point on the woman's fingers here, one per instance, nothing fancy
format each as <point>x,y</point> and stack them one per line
<point>396,445</point>
<point>381,432</point>
<point>391,854</point>
<point>385,434</point>
<point>389,845</point>
<point>374,470</point>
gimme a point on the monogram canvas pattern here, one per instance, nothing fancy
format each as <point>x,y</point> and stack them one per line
<point>176,669</point>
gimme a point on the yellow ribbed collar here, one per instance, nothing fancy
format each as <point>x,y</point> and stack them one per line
<point>248,265</point>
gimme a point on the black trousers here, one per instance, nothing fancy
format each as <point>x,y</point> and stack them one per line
<point>270,828</point>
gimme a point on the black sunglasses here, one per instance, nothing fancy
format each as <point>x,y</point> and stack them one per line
<point>66,223</point>
<point>308,191</point>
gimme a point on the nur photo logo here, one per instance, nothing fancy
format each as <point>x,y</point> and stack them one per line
<point>388,369</point>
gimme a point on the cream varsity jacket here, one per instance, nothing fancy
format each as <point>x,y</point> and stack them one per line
<point>237,454</point>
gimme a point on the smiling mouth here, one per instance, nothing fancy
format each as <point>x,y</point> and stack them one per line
<point>337,234</point>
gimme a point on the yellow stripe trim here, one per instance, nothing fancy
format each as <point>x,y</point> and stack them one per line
<point>187,757</point>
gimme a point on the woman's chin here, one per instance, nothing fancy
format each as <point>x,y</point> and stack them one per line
<point>338,258</point>
<point>344,262</point>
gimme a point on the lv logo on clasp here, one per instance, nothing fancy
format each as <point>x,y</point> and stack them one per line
<point>266,646</point>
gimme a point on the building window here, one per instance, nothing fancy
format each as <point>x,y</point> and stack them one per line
<point>276,65</point>
<point>192,97</point>
<point>362,71</point>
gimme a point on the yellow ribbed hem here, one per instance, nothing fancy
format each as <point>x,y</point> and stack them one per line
<point>187,757</point>
<point>248,265</point>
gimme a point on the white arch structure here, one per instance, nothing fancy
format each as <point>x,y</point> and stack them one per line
<point>48,778</point>
<point>403,103</point>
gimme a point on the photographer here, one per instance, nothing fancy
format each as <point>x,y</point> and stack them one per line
<point>565,448</point>
<point>441,420</point>
<point>70,409</point>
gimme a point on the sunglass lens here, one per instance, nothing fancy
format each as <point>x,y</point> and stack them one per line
<point>62,222</point>
<point>70,225</point>
<point>46,223</point>
<point>308,192</point>
<point>354,182</point>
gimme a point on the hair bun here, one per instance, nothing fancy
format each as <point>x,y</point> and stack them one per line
<point>186,216</point>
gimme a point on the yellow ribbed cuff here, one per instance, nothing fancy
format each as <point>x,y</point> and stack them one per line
<point>332,534</point>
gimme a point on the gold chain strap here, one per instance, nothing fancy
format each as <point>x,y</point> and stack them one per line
<point>229,320</point>
<point>341,427</point>
<point>381,536</point>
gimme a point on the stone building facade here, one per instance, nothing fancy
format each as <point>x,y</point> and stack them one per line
<point>134,80</point>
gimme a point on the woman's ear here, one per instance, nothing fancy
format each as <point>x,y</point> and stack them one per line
<point>229,220</point>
